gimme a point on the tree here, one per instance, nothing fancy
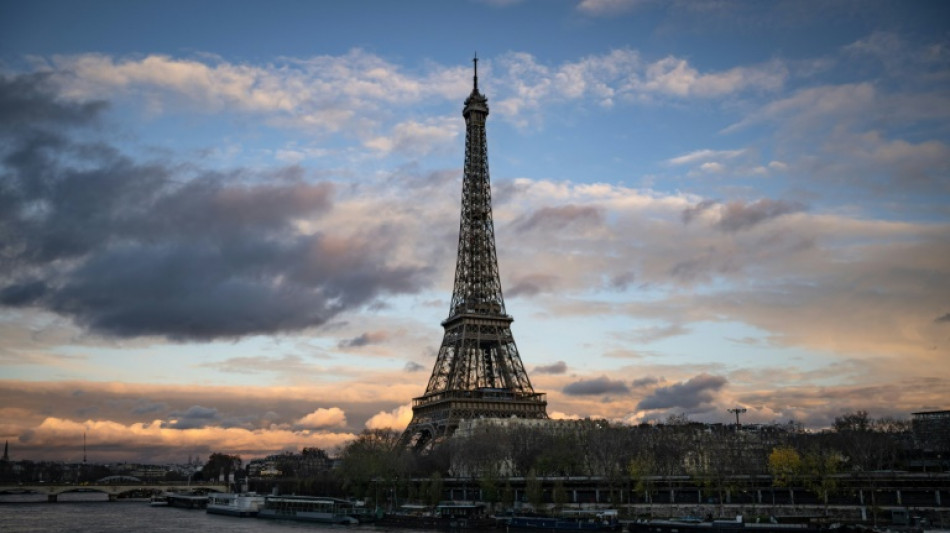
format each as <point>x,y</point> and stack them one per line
<point>374,457</point>
<point>559,495</point>
<point>313,461</point>
<point>818,469</point>
<point>489,487</point>
<point>508,495</point>
<point>869,444</point>
<point>784,464</point>
<point>483,454</point>
<point>606,449</point>
<point>220,465</point>
<point>534,492</point>
<point>718,459</point>
<point>525,445</point>
<point>640,469</point>
<point>435,489</point>
<point>561,455</point>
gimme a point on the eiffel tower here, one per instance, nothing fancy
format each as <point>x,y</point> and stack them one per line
<point>478,373</point>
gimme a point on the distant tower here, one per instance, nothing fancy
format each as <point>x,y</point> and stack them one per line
<point>6,451</point>
<point>478,372</point>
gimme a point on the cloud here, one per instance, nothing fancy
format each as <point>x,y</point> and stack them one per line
<point>656,333</point>
<point>690,394</point>
<point>694,211</point>
<point>738,215</point>
<point>396,419</point>
<point>30,100</point>
<point>560,218</point>
<point>524,85</point>
<point>942,319</point>
<point>145,407</point>
<point>744,162</point>
<point>158,442</point>
<point>417,138</point>
<point>704,155</point>
<point>843,281</point>
<point>350,93</point>
<point>531,285</point>
<point>322,93</point>
<point>559,367</point>
<point>128,249</point>
<point>675,77</point>
<point>288,365</point>
<point>22,293</point>
<point>195,417</point>
<point>323,418</point>
<point>644,382</point>
<point>412,366</point>
<point>596,386</point>
<point>807,108</point>
<point>364,339</point>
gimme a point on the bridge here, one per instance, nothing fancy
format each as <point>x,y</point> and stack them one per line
<point>113,490</point>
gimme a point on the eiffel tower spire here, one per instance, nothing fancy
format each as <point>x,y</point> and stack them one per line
<point>478,372</point>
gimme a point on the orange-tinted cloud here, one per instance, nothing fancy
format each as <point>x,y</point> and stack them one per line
<point>323,418</point>
<point>398,418</point>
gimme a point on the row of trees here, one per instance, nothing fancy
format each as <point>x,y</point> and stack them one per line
<point>624,458</point>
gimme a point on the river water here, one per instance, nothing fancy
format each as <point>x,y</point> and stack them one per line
<point>90,512</point>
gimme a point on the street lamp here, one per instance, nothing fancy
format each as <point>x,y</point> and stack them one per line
<point>737,411</point>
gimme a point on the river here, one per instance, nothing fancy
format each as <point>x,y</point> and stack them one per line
<point>90,512</point>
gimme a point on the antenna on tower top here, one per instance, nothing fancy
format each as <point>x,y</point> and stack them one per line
<point>475,61</point>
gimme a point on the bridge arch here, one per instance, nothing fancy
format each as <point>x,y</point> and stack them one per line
<point>113,490</point>
<point>119,479</point>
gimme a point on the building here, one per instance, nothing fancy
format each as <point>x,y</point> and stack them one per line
<point>932,431</point>
<point>478,372</point>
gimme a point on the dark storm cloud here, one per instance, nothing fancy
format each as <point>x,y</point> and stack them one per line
<point>557,218</point>
<point>942,319</point>
<point>29,100</point>
<point>22,293</point>
<point>594,387</point>
<point>129,249</point>
<point>559,367</point>
<point>686,395</point>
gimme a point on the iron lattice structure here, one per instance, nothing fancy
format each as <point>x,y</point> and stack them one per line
<point>478,372</point>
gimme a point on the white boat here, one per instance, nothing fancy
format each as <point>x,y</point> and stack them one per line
<point>235,504</point>
<point>314,509</point>
<point>158,500</point>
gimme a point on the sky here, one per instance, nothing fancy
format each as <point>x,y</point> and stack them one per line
<point>232,226</point>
